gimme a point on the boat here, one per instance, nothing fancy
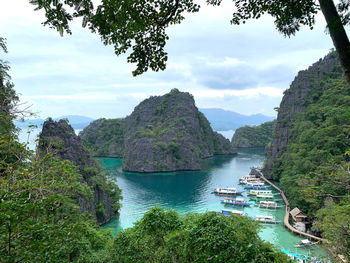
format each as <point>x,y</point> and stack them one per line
<point>227,191</point>
<point>256,186</point>
<point>268,204</point>
<point>269,197</point>
<point>260,192</point>
<point>255,183</point>
<point>305,243</point>
<point>266,219</point>
<point>248,179</point>
<point>230,191</point>
<point>236,202</point>
<point>231,212</point>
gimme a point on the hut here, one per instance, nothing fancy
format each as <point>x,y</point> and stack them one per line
<point>297,215</point>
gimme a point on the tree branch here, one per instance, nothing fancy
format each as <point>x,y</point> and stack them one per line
<point>171,15</point>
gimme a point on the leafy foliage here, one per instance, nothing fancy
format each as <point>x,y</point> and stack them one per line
<point>254,136</point>
<point>164,236</point>
<point>101,134</point>
<point>138,24</point>
<point>314,169</point>
<point>335,224</point>
<point>40,220</point>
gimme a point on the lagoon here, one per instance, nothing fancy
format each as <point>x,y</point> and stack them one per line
<point>190,191</point>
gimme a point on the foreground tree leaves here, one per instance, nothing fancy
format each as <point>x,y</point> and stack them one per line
<point>164,236</point>
<point>39,215</point>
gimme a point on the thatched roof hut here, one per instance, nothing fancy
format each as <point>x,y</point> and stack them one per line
<point>298,215</point>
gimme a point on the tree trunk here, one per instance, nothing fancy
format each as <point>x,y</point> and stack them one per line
<point>338,35</point>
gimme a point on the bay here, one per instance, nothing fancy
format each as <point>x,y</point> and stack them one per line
<point>190,191</point>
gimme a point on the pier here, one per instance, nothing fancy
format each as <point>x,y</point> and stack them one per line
<point>286,216</point>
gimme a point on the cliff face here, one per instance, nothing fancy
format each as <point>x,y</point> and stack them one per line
<point>253,136</point>
<point>60,139</point>
<point>164,133</point>
<point>105,137</point>
<point>168,133</point>
<point>295,100</point>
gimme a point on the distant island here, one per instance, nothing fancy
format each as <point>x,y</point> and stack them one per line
<point>224,120</point>
<point>163,133</point>
<point>76,121</point>
<point>254,136</point>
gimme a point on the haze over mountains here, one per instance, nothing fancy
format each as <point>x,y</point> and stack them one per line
<point>220,120</point>
<point>223,120</point>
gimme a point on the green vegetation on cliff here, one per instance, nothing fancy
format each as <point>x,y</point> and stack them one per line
<point>253,136</point>
<point>314,167</point>
<point>162,236</point>
<point>104,137</point>
<point>60,140</point>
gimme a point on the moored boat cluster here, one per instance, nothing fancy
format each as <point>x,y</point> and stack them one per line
<point>259,194</point>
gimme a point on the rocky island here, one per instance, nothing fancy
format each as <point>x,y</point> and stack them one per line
<point>59,139</point>
<point>253,136</point>
<point>163,133</point>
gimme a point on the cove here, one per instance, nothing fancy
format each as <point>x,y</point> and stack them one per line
<point>190,191</point>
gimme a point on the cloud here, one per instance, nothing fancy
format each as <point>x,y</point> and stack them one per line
<point>242,68</point>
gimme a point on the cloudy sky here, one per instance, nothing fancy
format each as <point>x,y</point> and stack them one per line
<point>242,68</point>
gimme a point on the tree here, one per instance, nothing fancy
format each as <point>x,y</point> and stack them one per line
<point>164,236</point>
<point>40,219</point>
<point>141,24</point>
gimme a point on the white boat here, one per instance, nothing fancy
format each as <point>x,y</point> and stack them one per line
<point>248,178</point>
<point>268,204</point>
<point>261,196</point>
<point>236,202</point>
<point>231,212</point>
<point>266,219</point>
<point>260,192</point>
<point>256,183</point>
<point>227,191</point>
<point>305,243</point>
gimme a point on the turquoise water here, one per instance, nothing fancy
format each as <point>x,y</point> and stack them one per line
<point>191,192</point>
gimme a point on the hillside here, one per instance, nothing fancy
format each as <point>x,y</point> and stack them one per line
<point>59,139</point>
<point>253,136</point>
<point>310,150</point>
<point>163,133</point>
<point>223,120</point>
<point>105,137</point>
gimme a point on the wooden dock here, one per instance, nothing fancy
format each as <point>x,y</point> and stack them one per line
<point>286,216</point>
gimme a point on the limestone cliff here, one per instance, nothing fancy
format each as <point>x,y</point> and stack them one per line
<point>253,136</point>
<point>60,139</point>
<point>163,133</point>
<point>295,100</point>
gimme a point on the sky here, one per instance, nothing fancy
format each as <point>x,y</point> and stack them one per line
<point>241,68</point>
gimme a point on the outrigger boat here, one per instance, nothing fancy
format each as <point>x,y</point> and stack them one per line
<point>260,192</point>
<point>266,219</point>
<point>256,186</point>
<point>305,243</point>
<point>267,197</point>
<point>248,179</point>
<point>231,212</point>
<point>268,204</point>
<point>227,191</point>
<point>236,202</point>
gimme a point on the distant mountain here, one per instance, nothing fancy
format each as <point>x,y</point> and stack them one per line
<point>224,120</point>
<point>76,121</point>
